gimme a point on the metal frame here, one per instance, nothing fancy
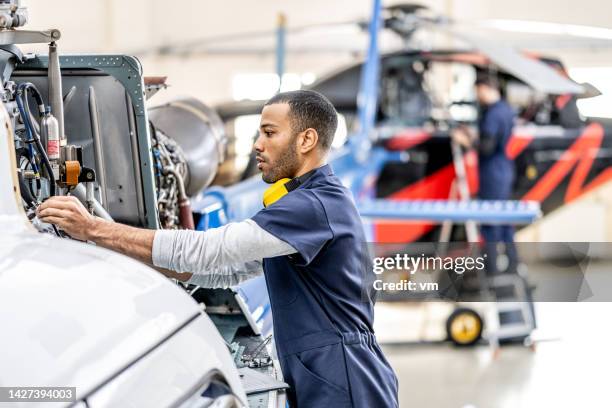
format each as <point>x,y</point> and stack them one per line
<point>128,71</point>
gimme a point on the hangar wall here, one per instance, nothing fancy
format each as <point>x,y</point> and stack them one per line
<point>120,26</point>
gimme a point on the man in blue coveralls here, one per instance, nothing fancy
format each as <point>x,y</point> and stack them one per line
<point>495,169</point>
<point>310,245</point>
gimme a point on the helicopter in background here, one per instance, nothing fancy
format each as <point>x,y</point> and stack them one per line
<point>559,155</point>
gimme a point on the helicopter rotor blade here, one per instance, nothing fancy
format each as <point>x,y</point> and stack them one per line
<point>541,35</point>
<point>239,42</point>
<point>548,28</point>
<point>531,71</point>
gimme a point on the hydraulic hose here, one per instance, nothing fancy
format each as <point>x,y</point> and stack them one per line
<point>22,90</point>
<point>25,190</point>
<point>185,214</point>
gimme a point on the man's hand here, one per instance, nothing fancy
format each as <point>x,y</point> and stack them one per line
<point>462,137</point>
<point>70,215</point>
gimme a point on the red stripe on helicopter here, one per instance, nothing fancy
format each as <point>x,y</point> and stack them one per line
<point>405,139</point>
<point>517,143</point>
<point>435,186</point>
<point>562,100</point>
<point>581,154</point>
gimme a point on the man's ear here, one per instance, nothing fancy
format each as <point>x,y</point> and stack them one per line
<point>308,140</point>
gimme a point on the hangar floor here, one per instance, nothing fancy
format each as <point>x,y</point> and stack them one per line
<point>569,367</point>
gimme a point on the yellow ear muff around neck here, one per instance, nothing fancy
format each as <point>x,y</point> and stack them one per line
<point>275,192</point>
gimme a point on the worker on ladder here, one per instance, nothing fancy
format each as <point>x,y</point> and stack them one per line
<point>495,169</point>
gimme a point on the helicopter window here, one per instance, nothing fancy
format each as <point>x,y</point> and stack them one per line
<point>451,86</point>
<point>530,105</point>
<point>540,108</point>
<point>403,100</point>
<point>414,92</point>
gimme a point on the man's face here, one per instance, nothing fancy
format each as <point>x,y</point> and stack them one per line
<point>276,149</point>
<point>487,94</point>
<point>482,92</point>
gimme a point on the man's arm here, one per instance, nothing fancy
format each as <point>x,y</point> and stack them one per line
<point>217,251</point>
<point>489,137</point>
<point>221,256</point>
<point>226,276</point>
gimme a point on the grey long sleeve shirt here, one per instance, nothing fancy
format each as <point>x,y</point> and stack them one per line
<point>218,257</point>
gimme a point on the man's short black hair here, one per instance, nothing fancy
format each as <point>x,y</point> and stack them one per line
<point>310,109</point>
<point>487,78</point>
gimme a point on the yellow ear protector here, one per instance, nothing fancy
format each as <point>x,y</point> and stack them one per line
<point>282,187</point>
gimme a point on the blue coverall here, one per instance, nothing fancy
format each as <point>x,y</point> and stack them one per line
<point>322,307</point>
<point>496,175</point>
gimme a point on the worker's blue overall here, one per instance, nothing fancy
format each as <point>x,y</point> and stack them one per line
<point>321,309</point>
<point>496,175</point>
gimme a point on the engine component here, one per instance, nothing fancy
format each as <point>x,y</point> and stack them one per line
<point>107,127</point>
<point>85,195</point>
<point>97,143</point>
<point>185,215</point>
<point>50,131</point>
<point>171,171</point>
<point>72,172</point>
<point>13,14</point>
<point>33,136</point>
<point>199,131</point>
<point>188,144</point>
<point>25,190</point>
<point>55,89</point>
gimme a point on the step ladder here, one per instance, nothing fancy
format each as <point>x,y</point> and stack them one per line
<point>461,188</point>
<point>510,315</point>
<point>514,309</point>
